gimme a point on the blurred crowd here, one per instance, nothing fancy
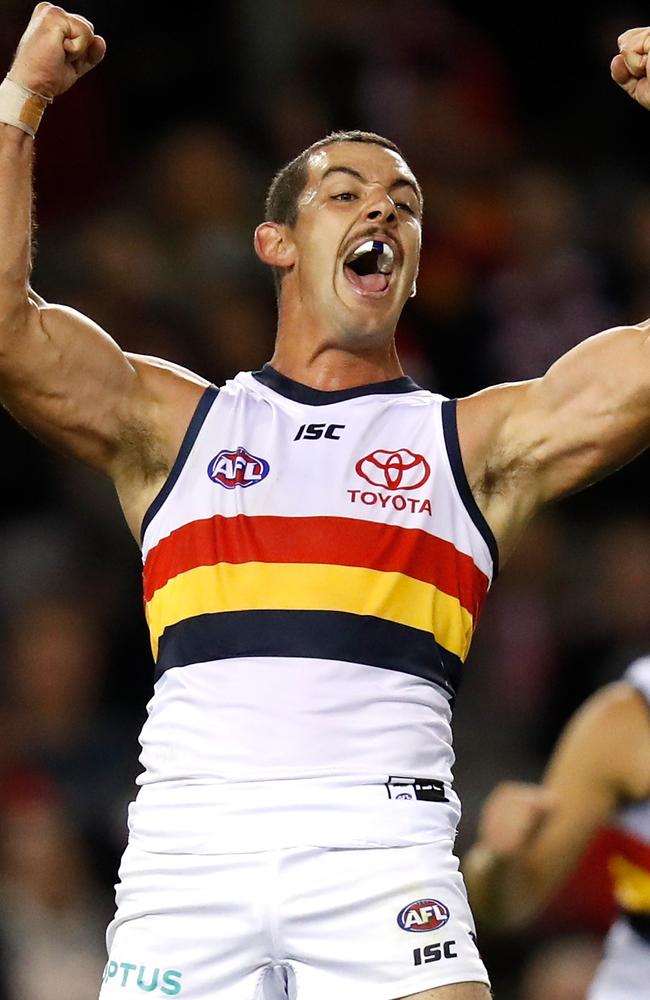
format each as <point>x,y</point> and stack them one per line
<point>150,176</point>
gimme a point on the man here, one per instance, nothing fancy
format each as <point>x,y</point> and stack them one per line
<point>318,539</point>
<point>531,836</point>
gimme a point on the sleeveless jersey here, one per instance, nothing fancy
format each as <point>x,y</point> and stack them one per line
<point>314,568</point>
<point>630,860</point>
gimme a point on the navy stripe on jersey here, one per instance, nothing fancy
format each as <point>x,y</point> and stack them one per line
<point>450,429</point>
<point>196,423</point>
<point>640,923</point>
<point>326,635</point>
<point>300,393</point>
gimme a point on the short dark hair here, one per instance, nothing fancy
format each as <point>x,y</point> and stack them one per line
<point>281,204</point>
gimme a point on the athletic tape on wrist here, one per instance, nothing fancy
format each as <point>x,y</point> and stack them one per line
<point>21,107</point>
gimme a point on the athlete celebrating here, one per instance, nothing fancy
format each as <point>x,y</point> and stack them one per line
<point>531,836</point>
<point>318,538</point>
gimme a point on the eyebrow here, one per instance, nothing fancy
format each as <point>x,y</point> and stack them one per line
<point>398,182</point>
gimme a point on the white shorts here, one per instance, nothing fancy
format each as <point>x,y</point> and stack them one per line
<point>304,923</point>
<point>624,973</point>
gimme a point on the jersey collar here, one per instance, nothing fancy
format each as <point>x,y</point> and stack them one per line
<point>300,393</point>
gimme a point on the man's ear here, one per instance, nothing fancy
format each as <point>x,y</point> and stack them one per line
<point>273,244</point>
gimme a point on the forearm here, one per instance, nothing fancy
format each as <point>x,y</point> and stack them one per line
<point>16,157</point>
<point>499,890</point>
<point>55,50</point>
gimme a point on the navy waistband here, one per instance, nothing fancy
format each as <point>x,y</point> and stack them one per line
<point>640,924</point>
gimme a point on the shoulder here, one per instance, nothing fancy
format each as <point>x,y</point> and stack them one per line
<point>486,425</point>
<point>499,466</point>
<point>638,676</point>
<point>612,732</point>
<point>152,433</point>
<point>160,376</point>
<point>616,704</point>
<point>170,395</point>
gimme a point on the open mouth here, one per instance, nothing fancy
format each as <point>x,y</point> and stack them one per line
<point>369,267</point>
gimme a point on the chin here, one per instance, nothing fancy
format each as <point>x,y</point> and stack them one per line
<point>361,320</point>
<point>373,318</point>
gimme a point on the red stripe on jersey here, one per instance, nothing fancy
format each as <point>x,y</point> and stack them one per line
<point>338,541</point>
<point>632,848</point>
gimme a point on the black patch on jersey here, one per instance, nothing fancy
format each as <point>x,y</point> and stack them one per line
<point>423,789</point>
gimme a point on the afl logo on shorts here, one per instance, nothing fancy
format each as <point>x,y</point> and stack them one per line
<point>394,470</point>
<point>237,468</point>
<point>423,915</point>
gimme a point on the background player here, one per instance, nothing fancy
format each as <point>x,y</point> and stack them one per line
<point>531,836</point>
<point>521,445</point>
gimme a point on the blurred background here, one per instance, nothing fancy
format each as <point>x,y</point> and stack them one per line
<point>151,175</point>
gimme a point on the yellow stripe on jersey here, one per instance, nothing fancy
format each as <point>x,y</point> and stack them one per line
<point>631,884</point>
<point>256,586</point>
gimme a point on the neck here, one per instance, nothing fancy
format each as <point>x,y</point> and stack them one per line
<point>309,352</point>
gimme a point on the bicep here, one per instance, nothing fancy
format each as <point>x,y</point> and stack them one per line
<point>528,443</point>
<point>67,381</point>
<point>588,415</point>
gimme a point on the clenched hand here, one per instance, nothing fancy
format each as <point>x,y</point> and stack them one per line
<point>55,51</point>
<point>630,67</point>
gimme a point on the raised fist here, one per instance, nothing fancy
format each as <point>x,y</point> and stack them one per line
<point>630,67</point>
<point>56,49</point>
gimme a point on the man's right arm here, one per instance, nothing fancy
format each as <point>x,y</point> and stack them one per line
<point>61,375</point>
<point>531,836</point>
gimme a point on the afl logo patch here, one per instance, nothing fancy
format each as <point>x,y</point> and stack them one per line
<point>423,915</point>
<point>394,470</point>
<point>237,468</point>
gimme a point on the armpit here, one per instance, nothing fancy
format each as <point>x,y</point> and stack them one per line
<point>142,455</point>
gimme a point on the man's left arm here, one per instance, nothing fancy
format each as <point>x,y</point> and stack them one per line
<point>533,442</point>
<point>588,415</point>
<point>529,443</point>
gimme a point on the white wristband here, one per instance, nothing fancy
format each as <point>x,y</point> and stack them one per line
<point>21,107</point>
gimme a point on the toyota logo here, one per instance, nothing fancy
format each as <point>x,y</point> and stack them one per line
<point>394,470</point>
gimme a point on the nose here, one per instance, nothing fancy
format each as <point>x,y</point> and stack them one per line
<point>382,208</point>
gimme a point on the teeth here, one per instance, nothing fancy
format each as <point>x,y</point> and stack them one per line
<point>364,248</point>
<point>385,255</point>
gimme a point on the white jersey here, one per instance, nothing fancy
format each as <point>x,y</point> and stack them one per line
<point>314,568</point>
<point>625,971</point>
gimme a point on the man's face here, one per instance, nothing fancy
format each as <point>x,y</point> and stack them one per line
<point>357,195</point>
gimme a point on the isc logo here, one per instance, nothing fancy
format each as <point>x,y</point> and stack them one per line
<point>237,468</point>
<point>423,915</point>
<point>313,432</point>
<point>434,952</point>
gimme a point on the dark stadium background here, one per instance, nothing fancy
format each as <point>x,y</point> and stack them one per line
<point>150,176</point>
